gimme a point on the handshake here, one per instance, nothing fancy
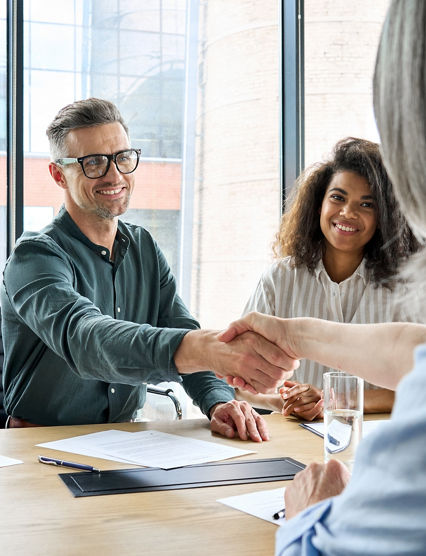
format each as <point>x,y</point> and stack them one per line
<point>255,353</point>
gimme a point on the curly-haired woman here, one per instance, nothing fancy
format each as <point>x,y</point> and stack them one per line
<point>339,248</point>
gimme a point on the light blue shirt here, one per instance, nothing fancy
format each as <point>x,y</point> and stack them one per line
<point>382,511</point>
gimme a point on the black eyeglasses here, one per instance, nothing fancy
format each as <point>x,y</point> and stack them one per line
<point>97,165</point>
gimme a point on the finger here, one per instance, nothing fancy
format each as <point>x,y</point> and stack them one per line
<point>221,420</point>
<point>239,382</point>
<point>308,397</point>
<point>255,424</point>
<point>234,329</point>
<point>262,427</point>
<point>288,409</point>
<point>239,419</point>
<point>221,427</point>
<point>295,391</point>
<point>303,404</point>
<point>234,381</point>
<point>299,408</point>
<point>274,355</point>
<point>336,468</point>
<point>298,399</point>
<point>249,364</point>
<point>310,413</point>
<point>291,402</point>
<point>263,379</point>
<point>273,375</point>
<point>314,413</point>
<point>288,384</point>
<point>240,326</point>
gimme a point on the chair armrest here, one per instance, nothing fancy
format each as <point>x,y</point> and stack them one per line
<point>169,394</point>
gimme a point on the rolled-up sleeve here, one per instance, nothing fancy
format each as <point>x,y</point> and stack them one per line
<point>41,292</point>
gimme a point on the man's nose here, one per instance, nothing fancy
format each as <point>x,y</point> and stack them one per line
<point>113,173</point>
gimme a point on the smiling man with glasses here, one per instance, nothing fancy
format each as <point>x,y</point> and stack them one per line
<point>90,309</point>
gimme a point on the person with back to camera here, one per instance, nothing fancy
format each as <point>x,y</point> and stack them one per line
<point>340,245</point>
<point>381,509</point>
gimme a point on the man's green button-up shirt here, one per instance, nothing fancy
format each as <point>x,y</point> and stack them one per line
<point>84,335</point>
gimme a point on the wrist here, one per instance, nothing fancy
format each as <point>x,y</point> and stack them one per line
<point>192,355</point>
<point>307,336</point>
<point>213,409</point>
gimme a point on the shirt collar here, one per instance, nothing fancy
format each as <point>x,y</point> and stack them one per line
<point>64,220</point>
<point>361,271</point>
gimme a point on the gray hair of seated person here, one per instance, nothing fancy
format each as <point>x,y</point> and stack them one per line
<point>400,105</point>
<point>82,113</point>
<point>400,110</point>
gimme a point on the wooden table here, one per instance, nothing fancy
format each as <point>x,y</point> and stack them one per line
<point>40,516</point>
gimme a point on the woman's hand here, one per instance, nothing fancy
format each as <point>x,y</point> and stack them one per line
<point>305,401</point>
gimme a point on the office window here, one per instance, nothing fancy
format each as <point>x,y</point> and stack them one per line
<point>3,228</point>
<point>129,52</point>
<point>199,85</point>
<point>237,164</point>
<point>341,41</point>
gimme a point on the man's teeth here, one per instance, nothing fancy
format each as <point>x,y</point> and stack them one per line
<point>109,191</point>
<point>345,228</point>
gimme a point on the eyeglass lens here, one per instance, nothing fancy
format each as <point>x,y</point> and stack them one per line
<point>97,166</point>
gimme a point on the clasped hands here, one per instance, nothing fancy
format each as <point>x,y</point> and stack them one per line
<point>305,401</point>
<point>262,358</point>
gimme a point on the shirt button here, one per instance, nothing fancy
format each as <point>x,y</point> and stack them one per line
<point>103,252</point>
<point>118,309</point>
<point>112,390</point>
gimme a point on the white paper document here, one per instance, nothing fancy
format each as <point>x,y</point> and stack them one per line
<point>147,448</point>
<point>88,444</point>
<point>263,504</point>
<point>5,461</point>
<point>367,427</point>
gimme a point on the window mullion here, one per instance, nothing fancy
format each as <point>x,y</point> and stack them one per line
<point>15,122</point>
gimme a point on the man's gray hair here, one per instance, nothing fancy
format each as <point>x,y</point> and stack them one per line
<point>400,109</point>
<point>82,113</point>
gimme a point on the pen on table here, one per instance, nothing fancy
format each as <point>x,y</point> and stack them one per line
<point>279,515</point>
<point>63,463</point>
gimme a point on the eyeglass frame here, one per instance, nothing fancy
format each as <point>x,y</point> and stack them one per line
<point>111,157</point>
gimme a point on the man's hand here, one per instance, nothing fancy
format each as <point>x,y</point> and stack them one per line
<point>302,400</point>
<point>317,482</point>
<point>261,364</point>
<point>239,418</point>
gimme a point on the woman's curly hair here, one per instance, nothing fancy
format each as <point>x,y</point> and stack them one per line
<point>300,234</point>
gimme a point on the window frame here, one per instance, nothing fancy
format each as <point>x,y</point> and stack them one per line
<point>14,122</point>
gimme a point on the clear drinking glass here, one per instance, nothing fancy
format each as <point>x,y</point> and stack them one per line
<point>343,416</point>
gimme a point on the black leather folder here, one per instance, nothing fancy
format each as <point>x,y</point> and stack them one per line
<point>120,481</point>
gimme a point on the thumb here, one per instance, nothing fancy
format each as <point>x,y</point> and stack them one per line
<point>234,329</point>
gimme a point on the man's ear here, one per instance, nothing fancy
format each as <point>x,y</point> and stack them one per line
<point>58,175</point>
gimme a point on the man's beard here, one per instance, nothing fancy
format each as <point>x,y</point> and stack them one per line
<point>107,214</point>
